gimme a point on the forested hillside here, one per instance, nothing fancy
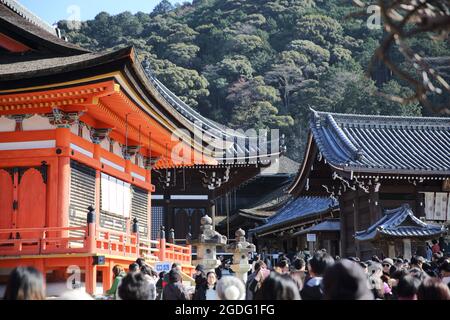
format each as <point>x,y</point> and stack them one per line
<point>260,63</point>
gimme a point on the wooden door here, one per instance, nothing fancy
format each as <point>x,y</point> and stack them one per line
<point>32,203</point>
<point>181,223</point>
<point>6,202</point>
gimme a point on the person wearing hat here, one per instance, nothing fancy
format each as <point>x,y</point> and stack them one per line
<point>417,262</point>
<point>399,263</point>
<point>387,265</point>
<point>199,269</point>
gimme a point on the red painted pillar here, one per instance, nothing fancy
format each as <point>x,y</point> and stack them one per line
<point>149,215</point>
<point>97,156</point>
<point>107,277</point>
<point>97,151</point>
<point>90,276</point>
<point>98,177</point>
<point>63,146</point>
<point>128,167</point>
<point>148,179</point>
<point>39,265</point>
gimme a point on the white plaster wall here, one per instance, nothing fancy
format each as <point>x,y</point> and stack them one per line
<point>74,128</point>
<point>37,122</point>
<point>105,144</point>
<point>86,133</point>
<point>117,149</point>
<point>7,125</point>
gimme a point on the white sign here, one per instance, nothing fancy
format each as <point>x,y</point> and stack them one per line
<point>429,205</point>
<point>437,206</point>
<point>440,210</point>
<point>163,267</point>
<point>311,237</point>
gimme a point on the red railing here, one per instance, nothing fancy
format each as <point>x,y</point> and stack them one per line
<point>43,241</point>
<point>115,242</point>
<point>177,253</point>
<point>149,249</point>
<point>90,239</point>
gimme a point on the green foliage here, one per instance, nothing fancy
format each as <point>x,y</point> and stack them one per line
<point>163,7</point>
<point>260,63</point>
<point>253,103</point>
<point>190,86</point>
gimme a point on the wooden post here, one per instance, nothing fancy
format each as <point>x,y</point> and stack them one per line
<point>128,166</point>
<point>343,235</point>
<point>356,221</point>
<point>98,178</point>
<point>107,277</point>
<point>91,225</point>
<point>162,244</point>
<point>149,215</point>
<point>97,151</point>
<point>90,276</point>
<point>172,236</point>
<point>63,144</point>
<point>189,252</point>
<point>40,266</point>
<point>135,233</point>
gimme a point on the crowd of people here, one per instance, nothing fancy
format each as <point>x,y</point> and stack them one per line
<point>318,277</point>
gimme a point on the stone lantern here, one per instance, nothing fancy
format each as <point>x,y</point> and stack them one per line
<point>207,244</point>
<point>240,250</point>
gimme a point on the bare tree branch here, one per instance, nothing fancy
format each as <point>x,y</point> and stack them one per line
<point>409,19</point>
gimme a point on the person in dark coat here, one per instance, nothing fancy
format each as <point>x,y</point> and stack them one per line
<point>345,280</point>
<point>298,273</point>
<point>249,293</point>
<point>159,285</point>
<point>201,285</point>
<point>312,289</point>
<point>175,290</point>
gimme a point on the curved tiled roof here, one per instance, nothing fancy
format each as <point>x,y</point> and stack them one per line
<point>28,15</point>
<point>239,149</point>
<point>400,223</point>
<point>387,144</point>
<point>329,225</point>
<point>33,31</point>
<point>240,146</point>
<point>298,208</point>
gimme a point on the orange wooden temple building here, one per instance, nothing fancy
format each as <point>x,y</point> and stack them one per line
<point>80,129</point>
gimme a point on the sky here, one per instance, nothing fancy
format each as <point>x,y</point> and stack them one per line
<point>53,11</point>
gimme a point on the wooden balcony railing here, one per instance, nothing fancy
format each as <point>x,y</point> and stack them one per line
<point>117,243</point>
<point>149,249</point>
<point>92,239</point>
<point>42,241</point>
<point>177,253</point>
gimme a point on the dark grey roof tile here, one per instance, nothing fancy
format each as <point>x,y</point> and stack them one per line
<point>298,208</point>
<point>373,143</point>
<point>400,223</point>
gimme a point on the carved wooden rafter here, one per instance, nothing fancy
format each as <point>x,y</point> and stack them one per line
<point>62,119</point>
